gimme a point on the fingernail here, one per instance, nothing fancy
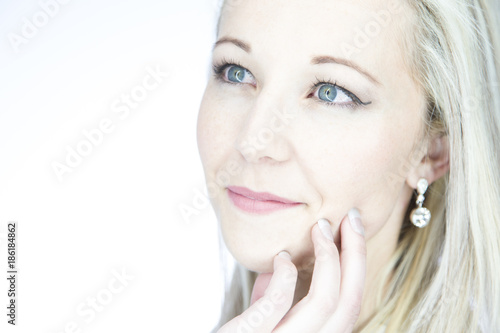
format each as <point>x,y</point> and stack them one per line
<point>325,228</point>
<point>286,255</point>
<point>355,219</point>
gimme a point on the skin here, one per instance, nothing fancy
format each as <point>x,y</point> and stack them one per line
<point>331,158</point>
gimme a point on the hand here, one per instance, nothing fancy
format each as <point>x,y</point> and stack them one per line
<point>333,302</point>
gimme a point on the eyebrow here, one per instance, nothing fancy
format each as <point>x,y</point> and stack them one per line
<point>239,43</point>
<point>333,60</point>
<point>318,60</point>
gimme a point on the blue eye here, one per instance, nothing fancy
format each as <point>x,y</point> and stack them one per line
<point>330,93</point>
<point>233,73</point>
<point>238,74</point>
<point>333,94</point>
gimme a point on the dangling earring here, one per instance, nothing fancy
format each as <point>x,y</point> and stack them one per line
<point>421,216</point>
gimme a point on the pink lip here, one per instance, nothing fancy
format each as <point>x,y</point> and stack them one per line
<point>258,203</point>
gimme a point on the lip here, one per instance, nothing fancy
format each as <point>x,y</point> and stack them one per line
<point>258,202</point>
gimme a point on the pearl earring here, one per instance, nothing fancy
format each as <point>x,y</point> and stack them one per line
<point>421,216</point>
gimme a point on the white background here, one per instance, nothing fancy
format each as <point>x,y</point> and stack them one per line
<point>119,208</point>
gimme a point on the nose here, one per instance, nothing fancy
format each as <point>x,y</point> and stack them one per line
<point>265,131</point>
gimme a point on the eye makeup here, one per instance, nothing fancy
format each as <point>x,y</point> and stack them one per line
<point>219,70</point>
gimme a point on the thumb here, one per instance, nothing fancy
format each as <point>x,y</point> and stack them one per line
<point>260,286</point>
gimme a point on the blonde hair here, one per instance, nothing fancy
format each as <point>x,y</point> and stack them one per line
<point>444,278</point>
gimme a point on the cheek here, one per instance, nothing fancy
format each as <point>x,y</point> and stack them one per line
<point>216,133</point>
<point>208,126</point>
<point>358,164</point>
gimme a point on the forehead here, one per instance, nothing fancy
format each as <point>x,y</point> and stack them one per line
<point>369,32</point>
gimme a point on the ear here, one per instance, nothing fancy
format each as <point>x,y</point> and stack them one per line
<point>434,165</point>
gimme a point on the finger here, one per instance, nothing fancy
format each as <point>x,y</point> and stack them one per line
<point>312,312</point>
<point>353,270</point>
<point>265,313</point>
<point>260,286</point>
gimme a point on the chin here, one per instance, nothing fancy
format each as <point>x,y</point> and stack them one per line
<point>255,255</point>
<point>256,252</point>
<point>254,240</point>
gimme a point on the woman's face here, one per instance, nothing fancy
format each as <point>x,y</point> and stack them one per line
<point>315,105</point>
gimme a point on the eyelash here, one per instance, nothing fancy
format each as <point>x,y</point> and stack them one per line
<point>355,100</point>
<point>219,68</point>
